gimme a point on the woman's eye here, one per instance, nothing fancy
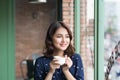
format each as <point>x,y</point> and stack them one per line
<point>58,36</point>
<point>68,36</point>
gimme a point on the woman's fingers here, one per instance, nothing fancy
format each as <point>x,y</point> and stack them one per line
<point>55,64</point>
<point>66,57</point>
<point>68,61</point>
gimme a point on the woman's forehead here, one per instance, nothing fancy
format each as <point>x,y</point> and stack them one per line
<point>61,30</point>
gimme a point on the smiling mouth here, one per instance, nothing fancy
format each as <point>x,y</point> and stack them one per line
<point>63,45</point>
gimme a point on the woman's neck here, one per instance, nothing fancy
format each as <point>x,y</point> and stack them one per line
<point>58,53</point>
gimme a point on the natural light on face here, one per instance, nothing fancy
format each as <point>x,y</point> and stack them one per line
<point>61,39</point>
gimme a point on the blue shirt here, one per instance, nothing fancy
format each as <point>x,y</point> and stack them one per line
<point>42,68</point>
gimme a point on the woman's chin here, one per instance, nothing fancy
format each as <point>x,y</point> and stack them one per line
<point>63,49</point>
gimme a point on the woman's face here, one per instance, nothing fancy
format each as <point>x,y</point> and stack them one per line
<point>61,39</point>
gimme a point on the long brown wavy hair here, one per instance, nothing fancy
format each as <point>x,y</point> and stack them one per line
<point>49,47</point>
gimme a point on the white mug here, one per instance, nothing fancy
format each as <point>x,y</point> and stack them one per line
<point>61,60</point>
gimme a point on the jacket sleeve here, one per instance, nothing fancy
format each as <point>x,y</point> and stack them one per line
<point>39,70</point>
<point>79,75</point>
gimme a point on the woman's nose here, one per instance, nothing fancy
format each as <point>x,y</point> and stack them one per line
<point>63,39</point>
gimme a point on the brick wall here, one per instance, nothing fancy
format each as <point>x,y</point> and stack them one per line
<point>32,21</point>
<point>68,13</point>
<point>86,28</point>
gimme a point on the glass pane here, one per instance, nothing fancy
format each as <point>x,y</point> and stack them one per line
<point>87,37</point>
<point>111,38</point>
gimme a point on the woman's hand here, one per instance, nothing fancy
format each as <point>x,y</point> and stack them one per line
<point>65,69</point>
<point>54,65</point>
<point>68,64</point>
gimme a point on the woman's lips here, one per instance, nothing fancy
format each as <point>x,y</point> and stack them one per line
<point>63,45</point>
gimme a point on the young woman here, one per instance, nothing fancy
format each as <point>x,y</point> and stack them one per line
<point>58,43</point>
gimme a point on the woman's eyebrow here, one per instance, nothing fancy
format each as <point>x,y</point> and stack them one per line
<point>61,34</point>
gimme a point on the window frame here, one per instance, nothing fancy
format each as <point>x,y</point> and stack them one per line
<point>98,36</point>
<point>7,40</point>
